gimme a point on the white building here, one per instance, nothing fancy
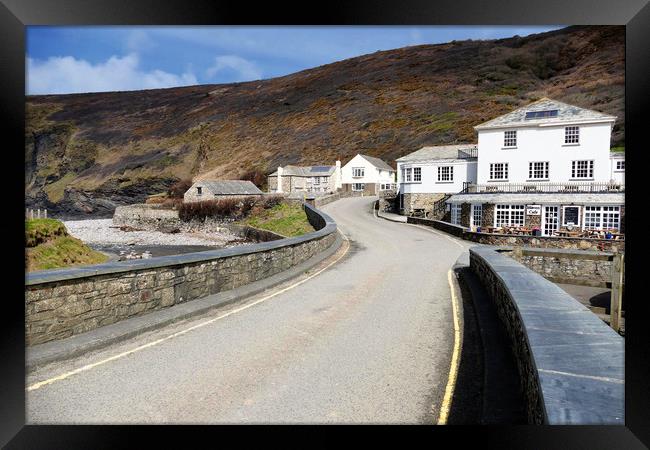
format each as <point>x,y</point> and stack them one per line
<point>547,165</point>
<point>545,142</point>
<point>426,175</point>
<point>367,175</point>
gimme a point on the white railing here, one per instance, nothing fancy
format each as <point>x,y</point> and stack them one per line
<point>568,187</point>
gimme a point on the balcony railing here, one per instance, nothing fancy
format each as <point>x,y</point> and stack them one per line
<point>568,187</point>
<point>468,153</point>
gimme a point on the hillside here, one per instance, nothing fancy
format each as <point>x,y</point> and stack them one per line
<point>87,153</point>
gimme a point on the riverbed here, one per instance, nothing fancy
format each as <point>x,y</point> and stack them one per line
<point>101,235</point>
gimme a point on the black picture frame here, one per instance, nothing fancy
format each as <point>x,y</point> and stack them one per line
<point>16,14</point>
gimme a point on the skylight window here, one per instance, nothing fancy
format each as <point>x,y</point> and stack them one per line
<point>541,114</point>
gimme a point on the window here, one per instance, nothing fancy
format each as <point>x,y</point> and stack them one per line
<point>510,139</point>
<point>446,173</point>
<point>499,171</point>
<point>316,180</point>
<point>538,170</point>
<point>199,190</point>
<point>571,135</point>
<point>509,215</point>
<point>358,186</point>
<point>582,169</point>
<point>407,179</point>
<point>386,186</point>
<point>477,215</point>
<point>357,172</point>
<point>455,213</point>
<point>541,114</point>
<point>602,217</point>
<point>417,174</point>
<point>620,165</point>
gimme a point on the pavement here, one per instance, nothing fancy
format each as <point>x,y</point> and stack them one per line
<point>366,337</point>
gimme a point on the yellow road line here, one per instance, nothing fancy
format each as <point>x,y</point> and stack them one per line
<point>187,330</point>
<point>453,369</point>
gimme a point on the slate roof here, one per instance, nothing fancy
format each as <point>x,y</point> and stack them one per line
<point>378,163</point>
<point>540,198</point>
<point>229,187</point>
<point>565,113</point>
<point>440,152</point>
<point>306,171</point>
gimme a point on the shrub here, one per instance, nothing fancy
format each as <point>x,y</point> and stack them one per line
<point>227,208</point>
<point>178,189</point>
<point>257,177</point>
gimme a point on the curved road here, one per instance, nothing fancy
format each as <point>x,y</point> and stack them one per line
<point>369,339</point>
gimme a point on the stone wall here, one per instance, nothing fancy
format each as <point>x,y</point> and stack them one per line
<point>570,363</point>
<point>146,217</point>
<point>420,200</point>
<point>605,245</point>
<point>581,267</point>
<point>65,302</point>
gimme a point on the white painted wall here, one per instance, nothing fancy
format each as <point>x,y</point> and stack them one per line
<point>464,171</point>
<point>617,176</point>
<point>545,144</point>
<point>371,174</point>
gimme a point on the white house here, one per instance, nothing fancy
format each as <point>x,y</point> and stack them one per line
<point>367,175</point>
<point>546,165</point>
<point>427,175</point>
<point>546,141</point>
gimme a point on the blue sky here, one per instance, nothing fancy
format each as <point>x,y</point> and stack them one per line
<point>92,59</point>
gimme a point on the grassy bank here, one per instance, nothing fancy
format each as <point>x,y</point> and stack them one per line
<point>287,219</point>
<point>49,246</point>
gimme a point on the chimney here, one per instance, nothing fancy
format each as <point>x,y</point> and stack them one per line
<point>279,188</point>
<point>338,183</point>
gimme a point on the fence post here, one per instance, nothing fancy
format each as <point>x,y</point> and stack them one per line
<point>45,214</point>
<point>31,214</point>
<point>38,213</point>
<point>618,267</point>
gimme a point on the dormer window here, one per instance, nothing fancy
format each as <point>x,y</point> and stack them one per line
<point>199,190</point>
<point>510,139</point>
<point>571,135</point>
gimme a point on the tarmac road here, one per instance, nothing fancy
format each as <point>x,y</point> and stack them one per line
<point>368,340</point>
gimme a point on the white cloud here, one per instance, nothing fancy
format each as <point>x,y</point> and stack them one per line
<point>244,69</point>
<point>139,41</point>
<point>62,75</point>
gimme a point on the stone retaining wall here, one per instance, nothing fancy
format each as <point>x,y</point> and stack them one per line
<point>606,245</point>
<point>571,365</point>
<point>146,217</point>
<point>64,302</point>
<point>581,267</point>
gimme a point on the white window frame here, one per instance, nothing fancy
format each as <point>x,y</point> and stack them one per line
<point>358,172</point>
<point>620,165</point>
<point>508,211</point>
<point>456,212</point>
<point>572,135</point>
<point>510,139</point>
<point>532,170</point>
<point>504,171</point>
<point>447,177</point>
<point>408,177</point>
<point>564,222</point>
<point>358,187</point>
<point>476,211</point>
<point>417,174</point>
<point>601,213</point>
<point>575,169</point>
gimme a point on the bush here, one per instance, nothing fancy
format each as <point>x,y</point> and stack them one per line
<point>178,189</point>
<point>257,177</point>
<point>226,208</point>
<point>38,231</point>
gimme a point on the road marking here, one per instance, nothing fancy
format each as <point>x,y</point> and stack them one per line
<point>187,330</point>
<point>453,369</point>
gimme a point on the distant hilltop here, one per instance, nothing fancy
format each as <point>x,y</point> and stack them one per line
<point>88,153</point>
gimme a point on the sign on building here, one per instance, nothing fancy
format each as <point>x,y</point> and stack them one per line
<point>533,210</point>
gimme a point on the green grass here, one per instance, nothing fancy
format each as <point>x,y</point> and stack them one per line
<point>617,149</point>
<point>50,247</point>
<point>55,191</point>
<point>286,219</point>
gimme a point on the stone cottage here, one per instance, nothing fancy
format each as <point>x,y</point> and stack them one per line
<point>203,190</point>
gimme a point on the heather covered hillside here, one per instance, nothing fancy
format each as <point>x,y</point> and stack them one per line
<point>87,153</point>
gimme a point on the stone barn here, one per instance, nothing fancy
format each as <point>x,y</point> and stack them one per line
<point>216,189</point>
